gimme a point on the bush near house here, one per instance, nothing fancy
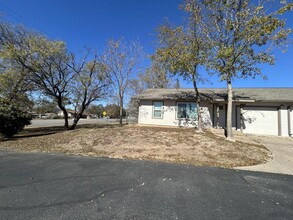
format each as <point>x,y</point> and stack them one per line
<point>12,119</point>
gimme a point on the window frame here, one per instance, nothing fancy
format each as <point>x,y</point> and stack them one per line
<point>184,102</point>
<point>153,110</point>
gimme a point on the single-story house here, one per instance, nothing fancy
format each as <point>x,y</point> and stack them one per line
<point>255,110</point>
<point>70,112</point>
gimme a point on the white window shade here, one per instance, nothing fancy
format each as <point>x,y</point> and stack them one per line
<point>187,110</point>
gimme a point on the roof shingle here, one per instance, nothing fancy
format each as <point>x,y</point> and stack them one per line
<point>257,94</point>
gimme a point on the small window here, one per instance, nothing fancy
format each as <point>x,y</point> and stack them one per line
<point>158,110</point>
<point>186,110</point>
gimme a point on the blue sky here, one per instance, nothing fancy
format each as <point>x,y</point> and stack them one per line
<point>91,22</point>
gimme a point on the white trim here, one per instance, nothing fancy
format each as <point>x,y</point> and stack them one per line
<point>153,110</point>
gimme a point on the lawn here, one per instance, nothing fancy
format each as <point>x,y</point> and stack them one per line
<point>176,145</point>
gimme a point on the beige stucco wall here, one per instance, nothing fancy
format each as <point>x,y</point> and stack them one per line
<point>146,113</point>
<point>169,114</point>
<point>210,113</point>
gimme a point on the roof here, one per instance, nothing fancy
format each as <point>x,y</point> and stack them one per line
<point>255,94</point>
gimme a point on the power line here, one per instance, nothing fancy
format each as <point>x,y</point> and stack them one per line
<point>20,19</point>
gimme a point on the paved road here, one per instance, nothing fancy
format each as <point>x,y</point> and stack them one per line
<point>60,122</point>
<point>44,186</point>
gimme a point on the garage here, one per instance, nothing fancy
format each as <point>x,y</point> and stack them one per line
<point>260,120</point>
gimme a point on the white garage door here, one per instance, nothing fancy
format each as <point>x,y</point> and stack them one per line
<point>259,120</point>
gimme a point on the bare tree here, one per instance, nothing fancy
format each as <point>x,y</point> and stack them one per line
<point>153,77</point>
<point>44,62</point>
<point>241,35</point>
<point>122,61</point>
<point>91,83</point>
<point>52,70</point>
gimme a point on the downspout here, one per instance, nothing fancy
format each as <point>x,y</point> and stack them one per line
<point>226,115</point>
<point>289,120</point>
<point>213,114</point>
<point>138,111</point>
<point>236,118</point>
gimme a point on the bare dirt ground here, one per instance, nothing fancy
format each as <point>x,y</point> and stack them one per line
<point>179,145</point>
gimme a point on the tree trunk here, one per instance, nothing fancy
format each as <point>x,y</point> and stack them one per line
<point>2,137</point>
<point>75,121</point>
<point>63,109</point>
<point>78,116</point>
<point>121,111</point>
<point>229,132</point>
<point>66,125</point>
<point>199,124</point>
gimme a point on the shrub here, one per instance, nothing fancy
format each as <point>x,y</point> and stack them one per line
<point>12,119</point>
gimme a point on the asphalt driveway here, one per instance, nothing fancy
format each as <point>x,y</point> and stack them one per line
<point>43,186</point>
<point>282,150</point>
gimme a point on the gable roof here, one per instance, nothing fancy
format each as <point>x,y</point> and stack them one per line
<point>255,94</point>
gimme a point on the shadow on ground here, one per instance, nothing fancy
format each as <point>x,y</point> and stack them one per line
<point>43,131</point>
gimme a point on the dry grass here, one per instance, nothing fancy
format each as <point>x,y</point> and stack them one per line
<point>139,142</point>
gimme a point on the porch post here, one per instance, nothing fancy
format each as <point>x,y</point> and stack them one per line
<point>280,120</point>
<point>289,120</point>
<point>241,118</point>
<point>218,115</point>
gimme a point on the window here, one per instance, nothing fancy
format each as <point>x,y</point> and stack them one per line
<point>158,110</point>
<point>186,110</point>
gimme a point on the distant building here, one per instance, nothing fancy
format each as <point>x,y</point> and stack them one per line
<point>70,112</point>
